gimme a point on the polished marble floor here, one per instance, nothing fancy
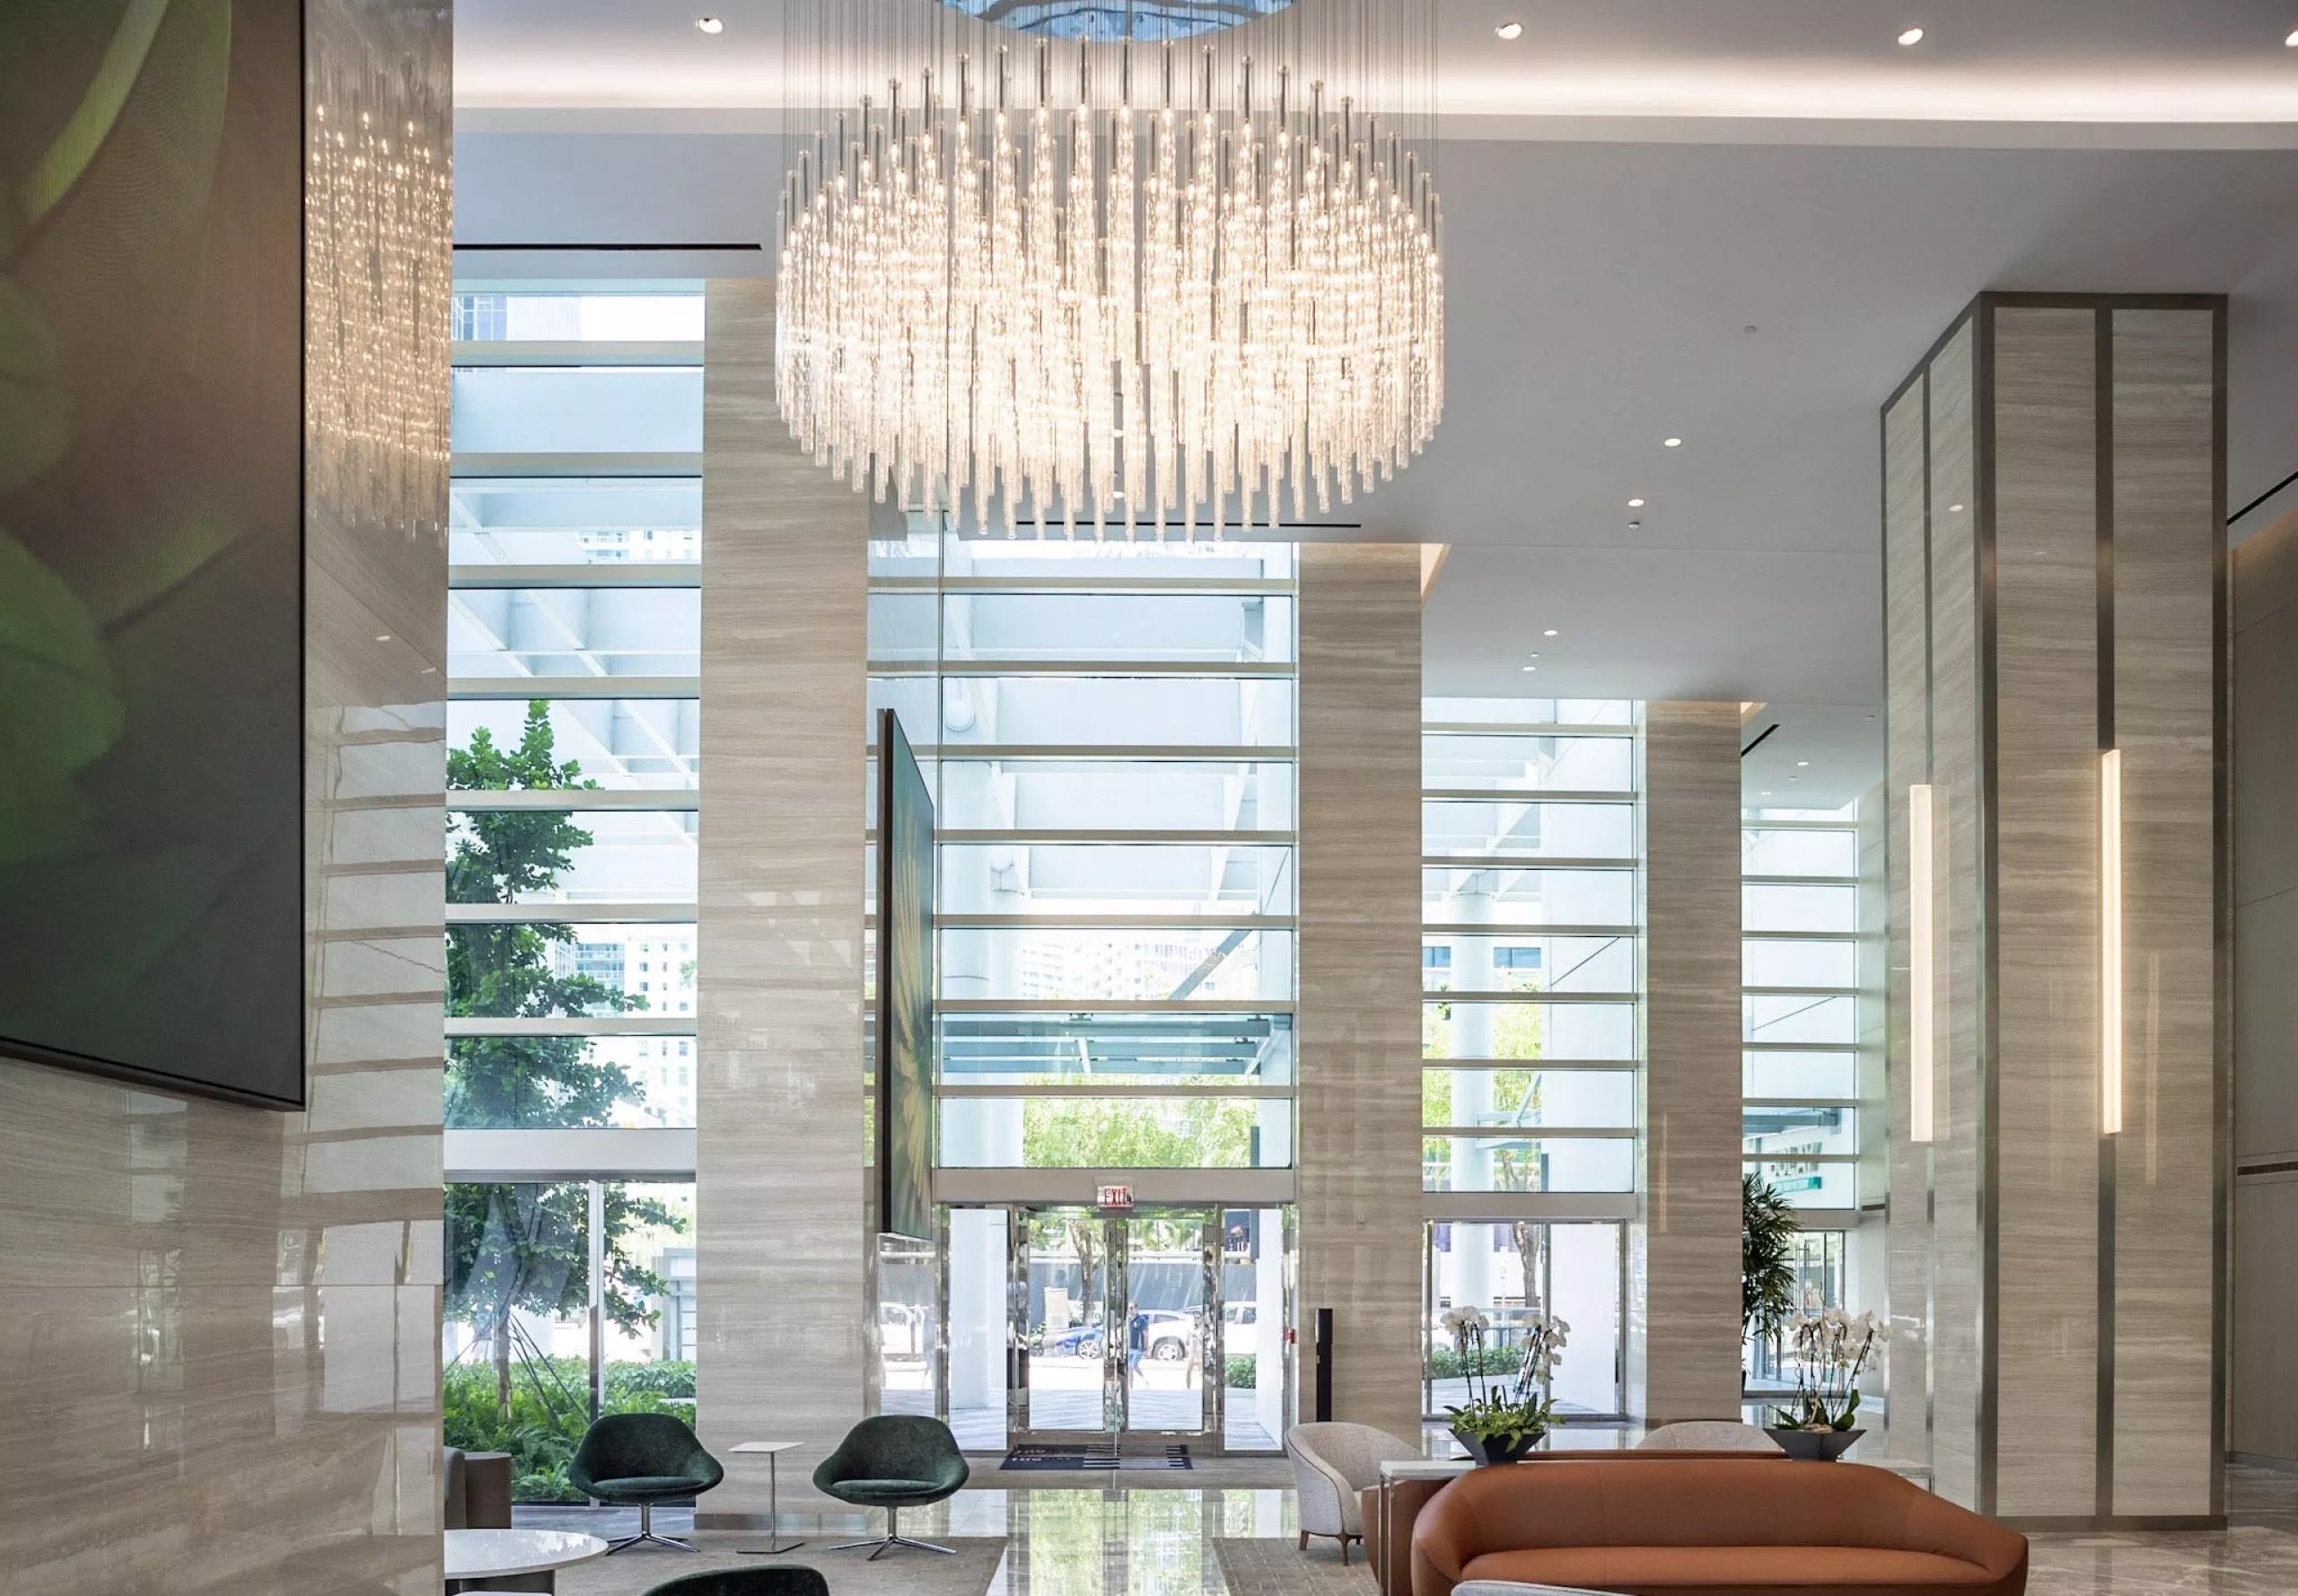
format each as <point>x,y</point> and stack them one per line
<point>1134,1540</point>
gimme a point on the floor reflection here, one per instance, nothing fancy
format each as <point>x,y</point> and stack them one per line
<point>1077,1540</point>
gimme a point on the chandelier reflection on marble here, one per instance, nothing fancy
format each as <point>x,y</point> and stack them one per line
<point>1202,292</point>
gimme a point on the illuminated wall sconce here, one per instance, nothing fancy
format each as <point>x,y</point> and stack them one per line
<point>1922,963</point>
<point>2111,942</point>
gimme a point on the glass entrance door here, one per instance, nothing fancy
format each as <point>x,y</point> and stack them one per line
<point>1113,1324</point>
<point>1171,1379</point>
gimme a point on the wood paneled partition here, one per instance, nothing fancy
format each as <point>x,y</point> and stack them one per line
<point>780,1248</point>
<point>1360,1225</point>
<point>1684,1259</point>
<point>2054,609</point>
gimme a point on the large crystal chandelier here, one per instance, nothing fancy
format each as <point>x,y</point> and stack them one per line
<point>1146,283</point>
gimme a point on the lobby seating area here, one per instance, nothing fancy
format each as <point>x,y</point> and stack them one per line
<point>1706,1527</point>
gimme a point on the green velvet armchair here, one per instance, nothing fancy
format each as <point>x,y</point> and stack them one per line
<point>637,1460</point>
<point>894,1460</point>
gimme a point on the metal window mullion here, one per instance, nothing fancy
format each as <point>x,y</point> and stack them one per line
<point>464,689</point>
<point>621,575</point>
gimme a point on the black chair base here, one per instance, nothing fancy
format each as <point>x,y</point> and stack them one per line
<point>647,1536</point>
<point>886,1543</point>
<point>892,1538</point>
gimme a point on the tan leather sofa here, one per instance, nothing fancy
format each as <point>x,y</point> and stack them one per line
<point>1388,1528</point>
<point>1672,1526</point>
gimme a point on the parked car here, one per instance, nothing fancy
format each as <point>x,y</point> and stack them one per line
<point>1169,1336</point>
<point>1078,1341</point>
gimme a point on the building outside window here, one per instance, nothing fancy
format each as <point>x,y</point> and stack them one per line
<point>1532,964</point>
<point>1808,1006</point>
<point>574,647</point>
<point>1109,730</point>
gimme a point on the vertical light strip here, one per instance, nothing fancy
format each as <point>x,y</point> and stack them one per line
<point>1922,925</point>
<point>2111,942</point>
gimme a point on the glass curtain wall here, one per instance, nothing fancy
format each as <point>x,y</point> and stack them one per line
<point>574,648</point>
<point>1531,971</point>
<point>1111,731</point>
<point>1806,973</point>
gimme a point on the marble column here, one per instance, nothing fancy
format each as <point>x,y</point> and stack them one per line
<point>1684,1247</point>
<point>219,1326</point>
<point>2053,548</point>
<point>1359,983</point>
<point>2266,1000</point>
<point>780,1255</point>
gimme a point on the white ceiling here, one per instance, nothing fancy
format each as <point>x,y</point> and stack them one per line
<point>1704,166</point>
<point>2114,61</point>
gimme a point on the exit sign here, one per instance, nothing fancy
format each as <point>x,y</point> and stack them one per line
<point>1114,1196</point>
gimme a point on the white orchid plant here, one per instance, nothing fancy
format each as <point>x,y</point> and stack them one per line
<point>1832,1349</point>
<point>1517,1411</point>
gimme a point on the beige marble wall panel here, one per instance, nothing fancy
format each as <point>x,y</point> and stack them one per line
<point>2167,536</point>
<point>780,1243</point>
<point>1689,1201</point>
<point>1359,982</point>
<point>2265,1309</point>
<point>2264,1417</point>
<point>1907,686</point>
<point>2046,930</point>
<point>2265,667</point>
<point>219,1347</point>
<point>1959,1271</point>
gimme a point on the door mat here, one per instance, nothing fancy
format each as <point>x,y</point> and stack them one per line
<point>1081,1458</point>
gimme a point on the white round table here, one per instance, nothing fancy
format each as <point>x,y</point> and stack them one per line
<point>478,1554</point>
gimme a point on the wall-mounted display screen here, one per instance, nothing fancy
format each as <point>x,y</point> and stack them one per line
<point>150,543</point>
<point>905,987</point>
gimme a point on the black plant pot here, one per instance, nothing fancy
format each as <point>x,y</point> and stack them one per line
<point>1488,1450</point>
<point>1815,1446</point>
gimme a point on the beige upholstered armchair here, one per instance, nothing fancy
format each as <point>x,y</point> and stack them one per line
<point>1331,1462</point>
<point>1707,1435</point>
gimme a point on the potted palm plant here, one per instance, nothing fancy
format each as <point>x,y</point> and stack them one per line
<point>1767,1231</point>
<point>1500,1424</point>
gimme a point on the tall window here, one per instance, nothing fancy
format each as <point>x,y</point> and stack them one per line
<point>1531,970</point>
<point>1805,971</point>
<point>574,639</point>
<point>1115,767</point>
<point>1109,728</point>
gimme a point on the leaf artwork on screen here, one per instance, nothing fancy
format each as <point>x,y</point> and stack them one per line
<point>905,988</point>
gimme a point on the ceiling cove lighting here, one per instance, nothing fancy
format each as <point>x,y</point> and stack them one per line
<point>1162,273</point>
<point>2111,942</point>
<point>1911,38</point>
<point>1922,969</point>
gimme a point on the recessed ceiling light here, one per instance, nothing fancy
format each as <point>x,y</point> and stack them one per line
<point>1510,30</point>
<point>1765,793</point>
<point>1533,655</point>
<point>1633,525</point>
<point>1671,443</point>
<point>2291,41</point>
<point>382,637</point>
<point>1954,509</point>
<point>1635,503</point>
<point>710,24</point>
<point>1532,667</point>
<point>1913,36</point>
<point>1802,764</point>
<point>1549,632</point>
